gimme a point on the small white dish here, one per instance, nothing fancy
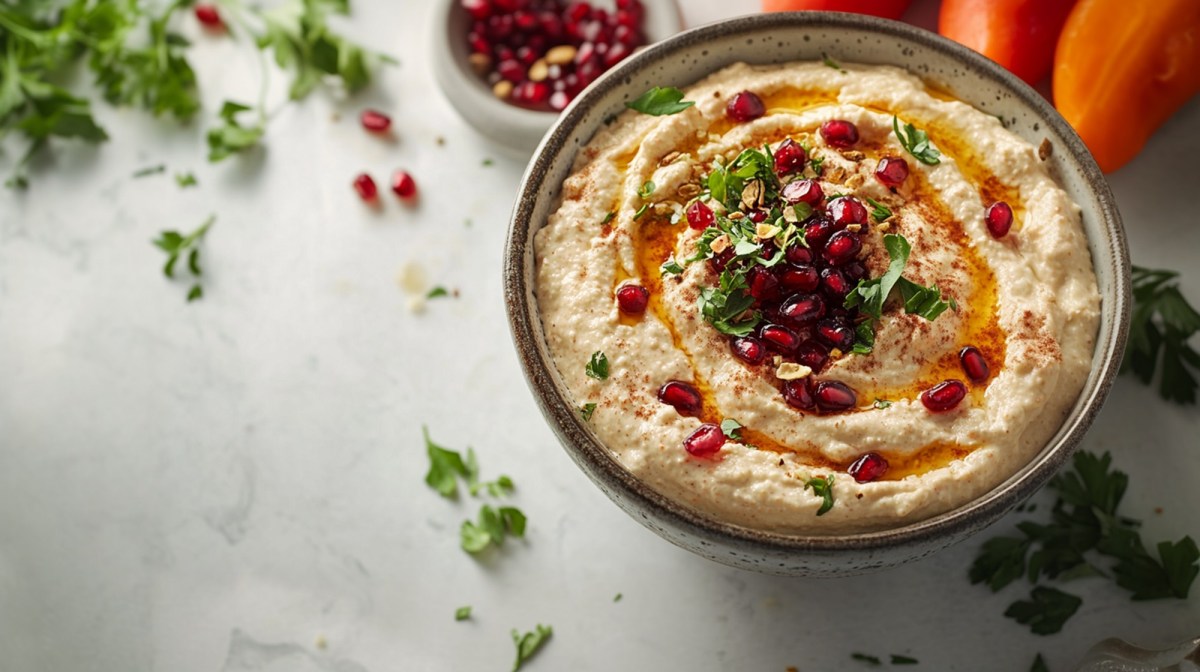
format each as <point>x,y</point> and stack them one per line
<point>516,129</point>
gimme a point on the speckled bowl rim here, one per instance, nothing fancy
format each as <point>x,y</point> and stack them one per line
<point>582,444</point>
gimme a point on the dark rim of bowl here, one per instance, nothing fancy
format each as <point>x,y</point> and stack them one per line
<point>584,446</point>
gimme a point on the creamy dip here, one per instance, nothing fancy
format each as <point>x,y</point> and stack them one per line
<point>1026,301</point>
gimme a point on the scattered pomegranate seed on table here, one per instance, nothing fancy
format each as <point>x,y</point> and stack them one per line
<point>540,54</point>
<point>365,186</point>
<point>999,219</point>
<point>632,298</point>
<point>869,467</point>
<point>375,121</point>
<point>208,16</point>
<point>403,185</point>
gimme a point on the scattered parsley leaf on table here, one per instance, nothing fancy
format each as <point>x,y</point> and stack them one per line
<point>491,528</point>
<point>528,644</point>
<point>231,138</point>
<point>176,245</point>
<point>597,366</point>
<point>898,659</point>
<point>1046,611</point>
<point>916,142</point>
<point>660,101</point>
<point>462,613</point>
<point>445,466</point>
<point>150,170</point>
<point>185,180</point>
<point>870,660</point>
<point>1039,665</point>
<point>1162,324</point>
<point>437,292</point>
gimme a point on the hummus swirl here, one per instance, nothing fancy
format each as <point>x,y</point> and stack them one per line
<point>1027,301</point>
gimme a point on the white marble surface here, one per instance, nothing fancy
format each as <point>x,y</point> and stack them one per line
<point>235,485</point>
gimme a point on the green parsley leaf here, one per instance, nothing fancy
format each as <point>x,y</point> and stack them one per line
<point>879,211</point>
<point>151,170</point>
<point>660,101</point>
<point>436,292</point>
<point>491,528</point>
<point>608,218</point>
<point>916,142</point>
<point>870,660</point>
<point>185,180</point>
<point>898,659</point>
<point>1000,562</point>
<point>528,644</point>
<point>232,138</point>
<point>587,410</point>
<point>872,294</point>
<point>1162,324</point>
<point>462,613</point>
<point>732,429</point>
<point>641,211</point>
<point>488,162</point>
<point>597,366</point>
<point>1046,611</point>
<point>177,245</point>
<point>830,63</point>
<point>924,301</point>
<point>646,190</point>
<point>617,597</point>
<point>1039,665</point>
<point>882,403</point>
<point>670,267</point>
<point>445,466</point>
<point>1171,576</point>
<point>822,486</point>
<point>815,164</point>
<point>727,306</point>
<point>864,338</point>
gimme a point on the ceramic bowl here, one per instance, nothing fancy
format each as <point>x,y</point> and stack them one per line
<point>513,128</point>
<point>776,38</point>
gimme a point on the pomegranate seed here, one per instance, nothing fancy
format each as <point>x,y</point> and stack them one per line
<point>802,309</point>
<point>615,55</point>
<point>800,278</point>
<point>719,262</point>
<point>839,133</point>
<point>974,364</point>
<point>404,185</point>
<point>552,26</point>
<point>365,186</point>
<point>854,271</point>
<point>749,349</point>
<point>798,394</point>
<point>511,69</point>
<point>480,44</point>
<point>705,441</point>
<point>684,397</point>
<point>835,284</point>
<point>779,337</point>
<point>208,16</point>
<point>375,121</point>
<point>789,157</point>
<point>479,10</point>
<point>944,396</point>
<point>625,34</point>
<point>842,247</point>
<point>847,210</point>
<point>764,286</point>
<point>526,20</point>
<point>999,219</point>
<point>833,396</point>
<point>531,93</point>
<point>836,332</point>
<point>812,354</point>
<point>803,191</point>
<point>799,254</point>
<point>699,215</point>
<point>745,106</point>
<point>869,467</point>
<point>758,216</point>
<point>891,171</point>
<point>818,231</point>
<point>632,299</point>
<point>559,100</point>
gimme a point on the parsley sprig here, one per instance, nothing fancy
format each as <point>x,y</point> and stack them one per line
<point>822,486</point>
<point>916,142</point>
<point>528,644</point>
<point>660,101</point>
<point>1085,523</point>
<point>871,295</point>
<point>1162,324</point>
<point>177,246</point>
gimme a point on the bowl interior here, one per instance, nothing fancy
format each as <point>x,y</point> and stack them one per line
<point>780,38</point>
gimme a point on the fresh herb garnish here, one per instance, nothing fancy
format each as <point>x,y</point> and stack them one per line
<point>1039,665</point>
<point>898,659</point>
<point>670,267</point>
<point>646,189</point>
<point>462,613</point>
<point>617,597</point>
<point>870,295</point>
<point>822,486</point>
<point>1084,521</point>
<point>864,338</point>
<point>597,366</point>
<point>492,527</point>
<point>608,218</point>
<point>231,137</point>
<point>815,164</point>
<point>727,306</point>
<point>176,245</point>
<point>1162,324</point>
<point>488,162</point>
<point>916,142</point>
<point>731,429</point>
<point>151,170</point>
<point>587,410</point>
<point>882,403</point>
<point>879,211</point>
<point>528,643</point>
<point>184,180</point>
<point>445,467</point>
<point>436,292</point>
<point>641,211</point>
<point>871,660</point>
<point>830,63</point>
<point>660,101</point>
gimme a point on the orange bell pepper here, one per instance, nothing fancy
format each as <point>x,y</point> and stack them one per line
<point>888,9</point>
<point>1123,68</point>
<point>1018,34</point>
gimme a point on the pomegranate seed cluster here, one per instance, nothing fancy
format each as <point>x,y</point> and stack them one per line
<point>541,53</point>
